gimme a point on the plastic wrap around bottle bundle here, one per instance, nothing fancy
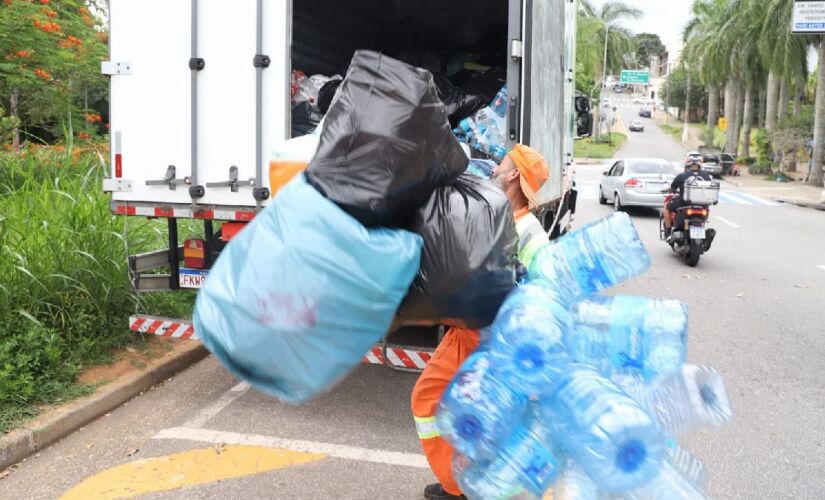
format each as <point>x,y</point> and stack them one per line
<point>468,265</point>
<point>477,413</point>
<point>596,257</point>
<point>693,397</point>
<point>629,335</point>
<point>298,297</point>
<point>526,467</point>
<point>668,483</point>
<point>481,168</point>
<point>688,465</point>
<point>616,442</point>
<point>527,339</point>
<point>386,144</point>
<point>575,484</point>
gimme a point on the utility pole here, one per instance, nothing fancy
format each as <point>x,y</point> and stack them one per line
<point>604,74</point>
<point>667,93</point>
<point>685,134</point>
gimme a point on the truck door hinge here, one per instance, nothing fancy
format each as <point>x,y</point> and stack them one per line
<point>112,68</point>
<point>516,49</point>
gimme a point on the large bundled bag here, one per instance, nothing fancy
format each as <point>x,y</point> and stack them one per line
<point>386,143</point>
<point>298,297</point>
<point>468,265</point>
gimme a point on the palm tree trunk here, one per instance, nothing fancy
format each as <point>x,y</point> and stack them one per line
<point>819,122</point>
<point>771,102</point>
<point>782,107</point>
<point>740,115</point>
<point>797,100</point>
<point>747,120</point>
<point>763,98</point>
<point>15,112</point>
<point>713,105</point>
<point>731,100</point>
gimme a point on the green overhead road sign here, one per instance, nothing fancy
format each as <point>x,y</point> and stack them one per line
<point>635,77</point>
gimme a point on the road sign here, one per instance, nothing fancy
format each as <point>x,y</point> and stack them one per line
<point>635,77</point>
<point>808,17</point>
<point>723,124</point>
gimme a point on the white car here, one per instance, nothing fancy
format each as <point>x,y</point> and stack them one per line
<point>637,182</point>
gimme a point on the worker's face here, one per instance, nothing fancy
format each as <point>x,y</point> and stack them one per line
<point>505,175</point>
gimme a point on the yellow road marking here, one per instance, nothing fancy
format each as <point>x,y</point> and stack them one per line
<point>185,469</point>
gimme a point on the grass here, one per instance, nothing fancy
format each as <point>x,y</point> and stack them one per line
<point>64,288</point>
<point>589,148</point>
<point>675,132</point>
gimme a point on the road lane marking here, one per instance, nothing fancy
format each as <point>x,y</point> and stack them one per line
<point>731,197</point>
<point>722,219</point>
<point>333,450</point>
<point>172,472</point>
<point>761,201</point>
<point>206,414</point>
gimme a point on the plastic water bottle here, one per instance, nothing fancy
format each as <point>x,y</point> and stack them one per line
<point>629,335</point>
<point>499,104</point>
<point>527,465</point>
<point>667,483</point>
<point>481,168</point>
<point>597,256</point>
<point>527,340</point>
<point>499,152</point>
<point>575,484</point>
<point>614,440</point>
<point>466,128</point>
<point>477,412</point>
<point>693,397</point>
<point>688,465</point>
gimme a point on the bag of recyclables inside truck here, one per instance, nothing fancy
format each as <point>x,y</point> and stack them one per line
<point>298,297</point>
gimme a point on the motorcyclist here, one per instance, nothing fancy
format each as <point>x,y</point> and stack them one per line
<point>693,169</point>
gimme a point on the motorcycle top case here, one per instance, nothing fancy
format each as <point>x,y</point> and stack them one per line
<point>297,298</point>
<point>468,265</point>
<point>386,143</point>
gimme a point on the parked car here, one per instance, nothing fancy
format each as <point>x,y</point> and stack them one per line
<point>637,182</point>
<point>645,112</point>
<point>637,126</point>
<point>728,161</point>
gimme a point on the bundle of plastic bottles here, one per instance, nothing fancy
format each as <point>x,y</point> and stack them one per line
<point>485,131</point>
<point>582,393</point>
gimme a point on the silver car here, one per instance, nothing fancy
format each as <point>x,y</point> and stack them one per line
<point>637,182</point>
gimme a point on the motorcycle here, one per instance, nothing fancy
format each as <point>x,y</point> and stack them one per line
<point>690,237</point>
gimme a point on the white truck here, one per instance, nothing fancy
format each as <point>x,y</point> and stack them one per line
<point>200,96</point>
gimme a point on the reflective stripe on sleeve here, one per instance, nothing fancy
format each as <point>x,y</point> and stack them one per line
<point>425,426</point>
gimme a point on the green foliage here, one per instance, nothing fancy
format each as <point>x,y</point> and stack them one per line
<point>762,145</point>
<point>599,149</point>
<point>675,89</point>
<point>64,288</point>
<point>50,54</point>
<point>590,39</point>
<point>648,45</point>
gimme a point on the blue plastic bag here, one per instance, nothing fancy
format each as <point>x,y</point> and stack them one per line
<point>300,295</point>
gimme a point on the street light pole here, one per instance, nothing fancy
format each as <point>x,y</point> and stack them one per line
<point>604,73</point>
<point>685,134</point>
<point>667,93</point>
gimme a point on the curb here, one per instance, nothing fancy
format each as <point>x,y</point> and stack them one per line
<point>62,421</point>
<point>801,203</point>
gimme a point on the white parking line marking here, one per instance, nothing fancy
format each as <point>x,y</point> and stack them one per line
<point>334,450</point>
<point>722,219</point>
<point>222,402</point>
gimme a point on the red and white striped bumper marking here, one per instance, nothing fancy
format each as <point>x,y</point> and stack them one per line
<point>162,327</point>
<point>142,210</point>
<point>402,358</point>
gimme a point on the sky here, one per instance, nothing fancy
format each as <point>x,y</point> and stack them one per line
<point>665,18</point>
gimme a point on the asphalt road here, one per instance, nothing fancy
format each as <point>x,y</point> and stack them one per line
<point>756,314</point>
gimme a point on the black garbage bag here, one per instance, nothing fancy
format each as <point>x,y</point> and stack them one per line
<point>305,119</point>
<point>486,85</point>
<point>457,104</point>
<point>469,260</point>
<point>386,143</point>
<point>326,94</point>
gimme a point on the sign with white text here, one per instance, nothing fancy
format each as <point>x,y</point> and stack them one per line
<point>808,17</point>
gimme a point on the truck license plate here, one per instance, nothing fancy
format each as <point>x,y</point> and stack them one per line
<point>697,232</point>
<point>192,278</point>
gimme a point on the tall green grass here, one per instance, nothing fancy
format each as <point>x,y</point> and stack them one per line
<point>64,288</point>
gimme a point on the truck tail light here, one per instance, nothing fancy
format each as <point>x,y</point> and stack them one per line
<point>194,254</point>
<point>633,183</point>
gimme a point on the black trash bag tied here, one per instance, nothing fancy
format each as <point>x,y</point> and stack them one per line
<point>386,143</point>
<point>469,260</point>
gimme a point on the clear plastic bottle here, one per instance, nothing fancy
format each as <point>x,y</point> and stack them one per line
<point>693,397</point>
<point>477,412</point>
<point>688,465</point>
<point>667,484</point>
<point>613,439</point>
<point>499,104</point>
<point>527,339</point>
<point>629,335</point>
<point>597,256</point>
<point>466,128</point>
<point>575,484</point>
<point>527,465</point>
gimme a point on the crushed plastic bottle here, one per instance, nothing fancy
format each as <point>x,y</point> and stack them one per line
<point>477,412</point>
<point>527,340</point>
<point>597,256</point>
<point>693,397</point>
<point>613,439</point>
<point>629,335</point>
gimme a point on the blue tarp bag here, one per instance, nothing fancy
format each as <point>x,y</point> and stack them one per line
<point>300,295</point>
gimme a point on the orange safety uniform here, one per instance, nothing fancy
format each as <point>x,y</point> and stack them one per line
<point>458,343</point>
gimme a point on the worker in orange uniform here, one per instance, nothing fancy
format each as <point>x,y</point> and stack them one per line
<point>520,175</point>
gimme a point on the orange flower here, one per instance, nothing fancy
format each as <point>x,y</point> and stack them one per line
<point>102,36</point>
<point>42,74</point>
<point>84,135</point>
<point>23,54</point>
<point>44,2</point>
